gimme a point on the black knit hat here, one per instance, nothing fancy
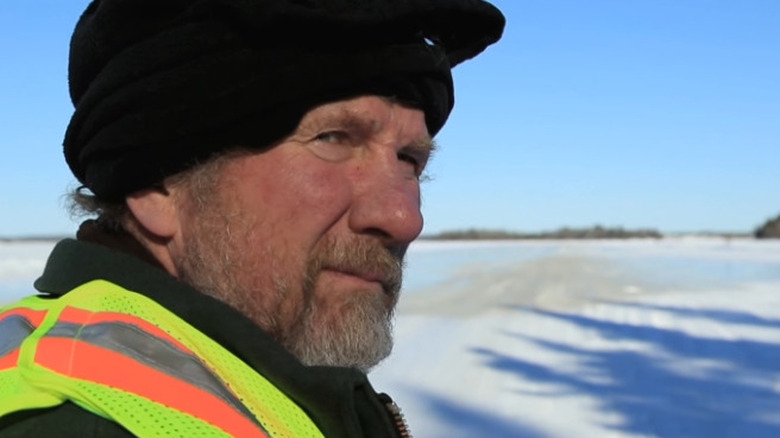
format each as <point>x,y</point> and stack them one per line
<point>159,85</point>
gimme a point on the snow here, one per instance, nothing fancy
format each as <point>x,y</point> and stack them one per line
<point>633,338</point>
<point>638,338</point>
<point>20,263</point>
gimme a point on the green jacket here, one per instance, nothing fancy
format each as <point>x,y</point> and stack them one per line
<point>340,401</point>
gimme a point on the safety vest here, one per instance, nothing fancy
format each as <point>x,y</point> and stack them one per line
<point>122,356</point>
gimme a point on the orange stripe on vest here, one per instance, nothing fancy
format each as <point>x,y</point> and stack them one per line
<point>9,360</point>
<point>84,361</point>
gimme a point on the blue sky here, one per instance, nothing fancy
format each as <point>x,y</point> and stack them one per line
<point>634,113</point>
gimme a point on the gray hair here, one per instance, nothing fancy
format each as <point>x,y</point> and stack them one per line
<point>197,182</point>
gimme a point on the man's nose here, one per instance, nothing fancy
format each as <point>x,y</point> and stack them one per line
<point>387,205</point>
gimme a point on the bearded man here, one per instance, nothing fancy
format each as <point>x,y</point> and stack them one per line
<point>254,169</point>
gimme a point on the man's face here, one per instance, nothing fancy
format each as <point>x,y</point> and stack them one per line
<point>307,238</point>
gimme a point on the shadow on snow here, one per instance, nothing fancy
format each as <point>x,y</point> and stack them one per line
<point>462,421</point>
<point>721,315</point>
<point>681,386</point>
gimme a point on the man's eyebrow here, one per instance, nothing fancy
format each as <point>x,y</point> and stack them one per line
<point>425,144</point>
<point>345,117</point>
<point>353,119</point>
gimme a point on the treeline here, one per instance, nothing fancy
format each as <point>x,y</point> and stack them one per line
<point>31,239</point>
<point>596,232</point>
<point>770,229</point>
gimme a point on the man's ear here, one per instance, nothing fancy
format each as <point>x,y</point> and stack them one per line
<point>155,211</point>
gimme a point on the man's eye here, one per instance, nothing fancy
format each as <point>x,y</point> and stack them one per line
<point>330,136</point>
<point>331,146</point>
<point>417,164</point>
<point>409,159</point>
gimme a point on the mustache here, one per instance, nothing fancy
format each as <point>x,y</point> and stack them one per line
<point>365,257</point>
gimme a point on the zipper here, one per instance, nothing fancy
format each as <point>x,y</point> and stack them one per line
<point>401,426</point>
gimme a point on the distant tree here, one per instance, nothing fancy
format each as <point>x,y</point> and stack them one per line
<point>594,232</point>
<point>770,230</point>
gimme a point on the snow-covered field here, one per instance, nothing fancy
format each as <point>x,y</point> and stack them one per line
<point>670,338</point>
<point>20,264</point>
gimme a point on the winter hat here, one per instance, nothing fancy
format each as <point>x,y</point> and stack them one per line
<point>159,85</point>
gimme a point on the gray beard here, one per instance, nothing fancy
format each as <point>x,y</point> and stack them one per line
<point>362,338</point>
<point>216,262</point>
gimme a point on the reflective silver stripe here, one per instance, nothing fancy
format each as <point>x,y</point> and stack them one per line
<point>13,330</point>
<point>131,341</point>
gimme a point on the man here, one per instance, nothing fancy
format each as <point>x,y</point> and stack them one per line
<point>254,165</point>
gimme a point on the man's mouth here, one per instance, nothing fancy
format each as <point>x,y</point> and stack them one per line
<point>360,264</point>
<point>369,278</point>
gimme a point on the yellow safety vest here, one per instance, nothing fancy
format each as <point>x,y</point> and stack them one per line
<point>122,356</point>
